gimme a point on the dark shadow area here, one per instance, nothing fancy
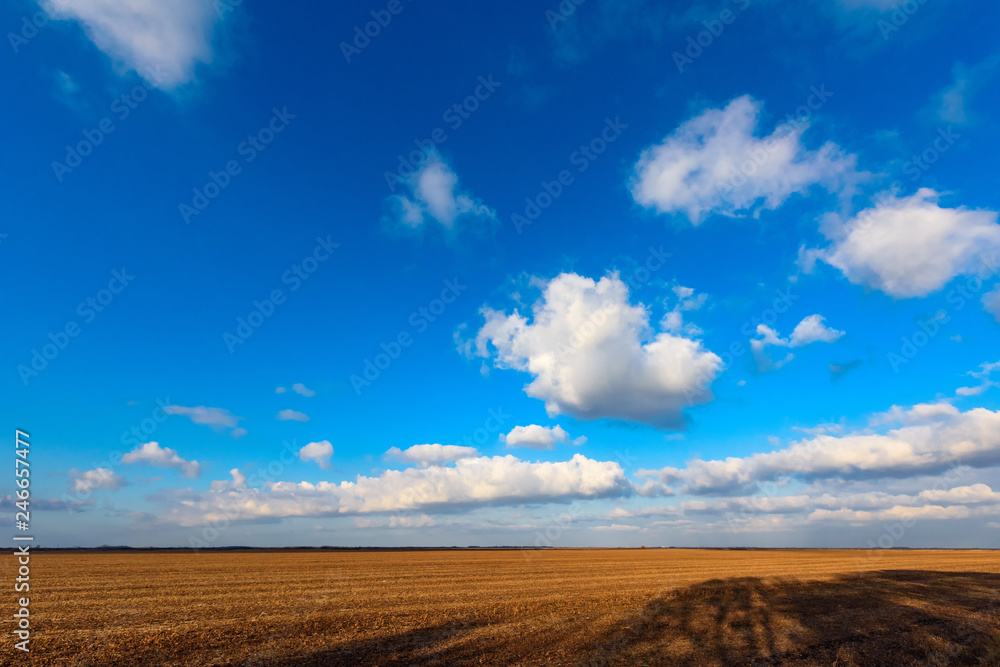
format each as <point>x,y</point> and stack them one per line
<point>890,618</point>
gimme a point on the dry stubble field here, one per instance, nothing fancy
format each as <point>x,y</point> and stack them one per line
<point>496,607</point>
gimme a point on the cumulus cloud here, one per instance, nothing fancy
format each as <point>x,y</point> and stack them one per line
<point>431,454</point>
<point>534,436</point>
<point>810,330</point>
<point>973,494</point>
<point>594,355</point>
<point>716,163</point>
<point>292,415</point>
<point>152,454</point>
<point>969,438</point>
<point>317,452</point>
<point>162,41</point>
<point>479,481</point>
<point>433,195</point>
<point>238,481</point>
<point>908,246</point>
<point>92,480</point>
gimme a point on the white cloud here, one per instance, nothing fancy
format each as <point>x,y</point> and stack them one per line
<point>716,163</point>
<point>433,195</point>
<point>431,454</point>
<point>292,415</point>
<point>809,330</point>
<point>317,452</point>
<point>820,429</point>
<point>152,454</point>
<point>985,370</point>
<point>300,388</point>
<point>983,375</point>
<point>973,391</point>
<point>92,480</point>
<point>812,330</point>
<point>893,514</point>
<point>162,41</point>
<point>923,413</point>
<point>961,495</point>
<point>991,303</point>
<point>238,432</point>
<point>217,418</point>
<point>421,521</point>
<point>470,482</point>
<point>593,355</point>
<point>534,436</point>
<point>674,322</point>
<point>763,512</point>
<point>617,527</point>
<point>239,481</point>
<point>909,246</point>
<point>969,438</point>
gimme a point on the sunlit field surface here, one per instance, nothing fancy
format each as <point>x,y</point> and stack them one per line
<point>495,607</point>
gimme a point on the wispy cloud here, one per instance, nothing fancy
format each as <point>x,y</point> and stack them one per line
<point>434,196</point>
<point>216,418</point>
<point>292,415</point>
<point>91,480</point>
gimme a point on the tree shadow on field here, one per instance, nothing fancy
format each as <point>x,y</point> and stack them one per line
<point>890,618</point>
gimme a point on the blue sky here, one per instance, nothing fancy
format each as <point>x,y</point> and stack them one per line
<point>611,274</point>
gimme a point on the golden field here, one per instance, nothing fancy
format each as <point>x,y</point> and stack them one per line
<point>512,607</point>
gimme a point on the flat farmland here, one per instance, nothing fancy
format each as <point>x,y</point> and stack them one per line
<point>511,607</point>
